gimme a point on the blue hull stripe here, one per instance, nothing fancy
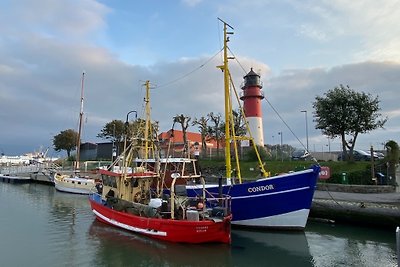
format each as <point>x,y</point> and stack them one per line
<point>273,193</point>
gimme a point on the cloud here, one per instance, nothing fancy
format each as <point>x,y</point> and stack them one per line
<point>46,49</point>
<point>366,22</point>
<point>295,90</point>
<point>65,21</point>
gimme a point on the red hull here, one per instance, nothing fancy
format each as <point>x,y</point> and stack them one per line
<point>166,229</point>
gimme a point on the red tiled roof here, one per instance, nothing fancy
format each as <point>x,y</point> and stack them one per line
<point>178,137</point>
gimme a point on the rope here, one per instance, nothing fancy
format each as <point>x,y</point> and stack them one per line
<point>190,72</point>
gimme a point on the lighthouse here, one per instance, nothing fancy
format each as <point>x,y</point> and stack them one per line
<point>252,96</point>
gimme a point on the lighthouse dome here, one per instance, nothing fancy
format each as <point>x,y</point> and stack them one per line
<point>252,79</point>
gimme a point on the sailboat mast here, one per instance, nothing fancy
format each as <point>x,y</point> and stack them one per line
<point>228,107</point>
<point>78,141</point>
<point>147,125</point>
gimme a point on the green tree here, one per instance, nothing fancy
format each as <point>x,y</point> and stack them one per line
<point>346,113</point>
<point>113,130</point>
<point>65,140</point>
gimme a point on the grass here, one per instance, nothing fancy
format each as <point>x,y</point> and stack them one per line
<point>250,170</point>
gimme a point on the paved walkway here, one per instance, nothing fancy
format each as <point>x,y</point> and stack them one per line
<point>383,198</point>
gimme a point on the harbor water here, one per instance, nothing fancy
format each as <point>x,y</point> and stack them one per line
<point>42,227</point>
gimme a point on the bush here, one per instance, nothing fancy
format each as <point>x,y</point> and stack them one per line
<point>251,155</point>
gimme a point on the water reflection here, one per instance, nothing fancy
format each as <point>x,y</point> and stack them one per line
<point>120,248</point>
<point>344,245</point>
<point>59,229</point>
<point>255,248</point>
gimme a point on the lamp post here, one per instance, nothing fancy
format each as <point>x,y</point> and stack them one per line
<point>273,148</point>
<point>127,117</point>
<point>125,165</point>
<point>127,125</point>
<point>305,112</point>
<point>114,149</point>
<point>281,134</point>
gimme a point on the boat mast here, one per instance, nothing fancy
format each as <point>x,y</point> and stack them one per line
<point>228,106</point>
<point>147,121</point>
<point>78,141</point>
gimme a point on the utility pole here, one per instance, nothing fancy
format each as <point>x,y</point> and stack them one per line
<point>281,134</point>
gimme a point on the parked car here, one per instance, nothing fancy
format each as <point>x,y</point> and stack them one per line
<point>359,155</point>
<point>379,155</point>
<point>300,154</point>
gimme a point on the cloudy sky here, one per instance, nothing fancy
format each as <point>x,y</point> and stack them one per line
<point>301,49</point>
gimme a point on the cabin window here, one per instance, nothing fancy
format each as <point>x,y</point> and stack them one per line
<point>109,181</point>
<point>134,182</point>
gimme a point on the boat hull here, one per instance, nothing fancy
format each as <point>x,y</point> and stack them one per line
<point>281,202</point>
<point>163,229</point>
<point>74,185</point>
<point>14,179</point>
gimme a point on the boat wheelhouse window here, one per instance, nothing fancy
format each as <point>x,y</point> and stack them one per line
<point>79,182</point>
<point>134,182</point>
<point>109,181</point>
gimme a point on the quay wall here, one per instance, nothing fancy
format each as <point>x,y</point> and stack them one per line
<point>356,188</point>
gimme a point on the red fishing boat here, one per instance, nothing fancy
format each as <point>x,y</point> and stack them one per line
<point>133,198</point>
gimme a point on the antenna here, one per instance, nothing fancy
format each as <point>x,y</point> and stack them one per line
<point>226,25</point>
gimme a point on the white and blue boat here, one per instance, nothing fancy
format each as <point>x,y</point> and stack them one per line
<point>282,201</point>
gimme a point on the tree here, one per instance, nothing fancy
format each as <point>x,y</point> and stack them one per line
<point>344,113</point>
<point>184,122</point>
<point>239,124</point>
<point>239,127</point>
<point>113,130</point>
<point>215,130</point>
<point>65,140</point>
<point>203,129</point>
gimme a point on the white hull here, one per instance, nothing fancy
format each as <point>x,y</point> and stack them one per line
<point>75,185</point>
<point>290,220</point>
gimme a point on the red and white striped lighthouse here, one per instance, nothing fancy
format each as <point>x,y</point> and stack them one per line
<point>252,96</point>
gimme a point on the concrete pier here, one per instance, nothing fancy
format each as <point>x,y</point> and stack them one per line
<point>373,209</point>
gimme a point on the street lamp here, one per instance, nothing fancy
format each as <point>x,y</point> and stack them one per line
<point>281,134</point>
<point>305,112</point>
<point>126,135</point>
<point>127,116</point>
<point>127,125</point>
<point>273,146</point>
<point>114,149</point>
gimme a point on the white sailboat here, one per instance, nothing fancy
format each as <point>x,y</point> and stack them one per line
<point>74,183</point>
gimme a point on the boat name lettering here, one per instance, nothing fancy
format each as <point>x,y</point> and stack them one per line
<point>260,188</point>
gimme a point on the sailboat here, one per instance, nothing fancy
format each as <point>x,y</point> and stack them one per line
<point>279,202</point>
<point>74,183</point>
<point>134,199</point>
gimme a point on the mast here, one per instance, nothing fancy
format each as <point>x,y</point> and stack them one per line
<point>228,137</point>
<point>147,125</point>
<point>78,141</point>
